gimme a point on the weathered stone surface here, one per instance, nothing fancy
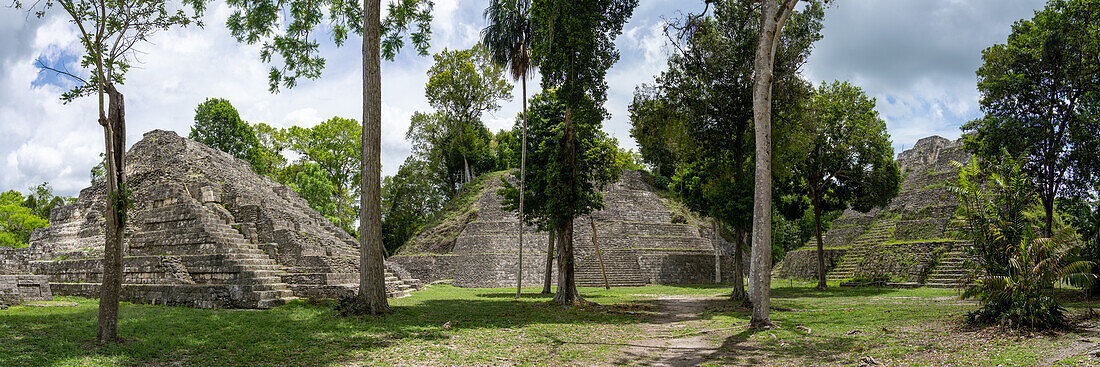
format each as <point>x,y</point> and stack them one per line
<point>637,234</point>
<point>16,289</point>
<point>204,231</point>
<point>902,241</point>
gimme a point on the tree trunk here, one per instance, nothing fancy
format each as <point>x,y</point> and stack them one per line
<point>717,253</point>
<point>372,283</point>
<point>820,243</point>
<point>114,134</point>
<point>1048,220</point>
<point>603,270</point>
<point>567,285</point>
<point>522,182</point>
<point>549,263</point>
<point>771,22</point>
<point>739,294</point>
<point>567,282</point>
<point>466,166</point>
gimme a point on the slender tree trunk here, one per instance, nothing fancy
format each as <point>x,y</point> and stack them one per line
<point>739,294</point>
<point>820,243</point>
<point>466,165</point>
<point>522,182</point>
<point>717,253</point>
<point>603,270</point>
<point>1048,220</point>
<point>771,22</point>
<point>549,263</point>
<point>567,284</point>
<point>372,283</point>
<point>114,134</point>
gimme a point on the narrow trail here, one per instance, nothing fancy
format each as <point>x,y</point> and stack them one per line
<point>672,335</point>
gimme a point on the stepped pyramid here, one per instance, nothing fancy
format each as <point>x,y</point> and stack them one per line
<point>642,237</point>
<point>205,231</point>
<point>905,242</point>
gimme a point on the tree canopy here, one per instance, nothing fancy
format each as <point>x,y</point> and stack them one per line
<point>849,161</point>
<point>1039,94</point>
<point>219,126</point>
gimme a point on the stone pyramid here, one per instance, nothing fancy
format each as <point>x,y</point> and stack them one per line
<point>909,240</point>
<point>642,237</point>
<point>205,231</point>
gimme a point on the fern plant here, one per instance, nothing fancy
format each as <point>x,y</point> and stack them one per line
<point>1018,272</point>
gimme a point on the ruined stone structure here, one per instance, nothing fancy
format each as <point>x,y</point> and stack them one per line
<point>204,231</point>
<point>642,237</point>
<point>905,242</point>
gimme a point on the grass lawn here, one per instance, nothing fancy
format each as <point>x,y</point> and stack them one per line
<point>443,325</point>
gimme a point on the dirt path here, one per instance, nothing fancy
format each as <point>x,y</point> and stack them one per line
<point>673,335</point>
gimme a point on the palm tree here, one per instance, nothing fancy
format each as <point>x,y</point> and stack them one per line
<point>508,38</point>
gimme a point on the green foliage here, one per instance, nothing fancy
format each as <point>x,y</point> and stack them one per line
<point>21,215</point>
<point>507,35</point>
<point>1023,296</point>
<point>628,159</point>
<point>573,46</point>
<point>312,184</point>
<point>462,85</point>
<point>409,199</point>
<point>849,160</point>
<point>1039,94</point>
<point>108,31</point>
<point>656,127</point>
<point>268,158</point>
<point>335,146</point>
<point>98,171</point>
<point>286,30</point>
<point>547,201</point>
<point>695,123</point>
<point>993,202</point>
<point>1020,270</point>
<point>505,147</point>
<point>219,126</point>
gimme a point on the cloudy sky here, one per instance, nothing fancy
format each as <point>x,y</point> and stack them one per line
<point>916,57</point>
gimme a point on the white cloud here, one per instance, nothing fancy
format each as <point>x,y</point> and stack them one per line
<point>911,64</point>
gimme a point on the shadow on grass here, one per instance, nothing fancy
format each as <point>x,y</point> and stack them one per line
<point>822,349</point>
<point>296,334</point>
<point>811,292</point>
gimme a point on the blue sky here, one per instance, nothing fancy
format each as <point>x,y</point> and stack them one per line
<point>916,57</point>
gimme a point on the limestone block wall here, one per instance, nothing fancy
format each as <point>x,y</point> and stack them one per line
<point>902,262</point>
<point>802,263</point>
<point>683,267</point>
<point>641,239</point>
<point>16,289</point>
<point>897,242</point>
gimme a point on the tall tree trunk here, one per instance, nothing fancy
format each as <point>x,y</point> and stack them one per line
<point>522,182</point>
<point>567,281</point>
<point>372,283</point>
<point>466,165</point>
<point>820,243</point>
<point>567,285</point>
<point>772,18</point>
<point>549,263</point>
<point>739,294</point>
<point>114,134</point>
<point>717,253</point>
<point>1048,220</point>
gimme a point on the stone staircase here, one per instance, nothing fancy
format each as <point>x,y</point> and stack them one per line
<point>880,232</point>
<point>950,271</point>
<point>621,266</point>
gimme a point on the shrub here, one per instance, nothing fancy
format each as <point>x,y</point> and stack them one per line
<point>1018,271</point>
<point>1024,296</point>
